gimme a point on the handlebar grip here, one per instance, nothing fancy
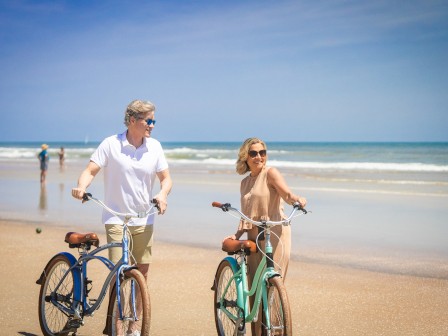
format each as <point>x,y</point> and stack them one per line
<point>86,197</point>
<point>224,207</point>
<point>156,203</point>
<point>299,207</point>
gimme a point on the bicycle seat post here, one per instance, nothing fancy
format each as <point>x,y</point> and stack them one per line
<point>242,256</point>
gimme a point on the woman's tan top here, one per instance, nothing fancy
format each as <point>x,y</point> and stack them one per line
<point>259,201</point>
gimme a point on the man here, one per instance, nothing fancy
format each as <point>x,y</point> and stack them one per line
<point>131,161</point>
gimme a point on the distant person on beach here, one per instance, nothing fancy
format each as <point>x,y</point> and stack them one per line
<point>262,192</point>
<point>61,157</point>
<point>131,162</point>
<point>43,159</point>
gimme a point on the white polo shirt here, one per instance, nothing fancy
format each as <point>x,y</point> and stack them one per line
<point>129,175</point>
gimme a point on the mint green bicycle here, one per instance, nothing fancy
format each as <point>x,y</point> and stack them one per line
<point>231,299</point>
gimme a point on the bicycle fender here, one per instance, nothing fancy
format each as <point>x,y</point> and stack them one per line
<point>239,285</point>
<point>72,261</point>
<point>235,268</point>
<point>77,276</point>
<point>233,264</point>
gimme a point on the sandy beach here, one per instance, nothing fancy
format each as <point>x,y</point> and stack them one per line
<point>326,300</point>
<point>388,276</point>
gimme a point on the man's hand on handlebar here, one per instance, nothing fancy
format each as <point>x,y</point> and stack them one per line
<point>161,203</point>
<point>79,193</point>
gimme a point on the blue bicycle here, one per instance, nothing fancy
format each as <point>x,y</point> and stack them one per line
<point>64,294</point>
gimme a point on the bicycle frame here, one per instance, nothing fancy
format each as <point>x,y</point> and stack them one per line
<point>265,271</point>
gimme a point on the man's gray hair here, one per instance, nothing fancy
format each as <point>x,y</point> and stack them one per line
<point>137,109</point>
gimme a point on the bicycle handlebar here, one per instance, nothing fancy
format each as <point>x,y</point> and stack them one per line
<point>142,214</point>
<point>227,206</point>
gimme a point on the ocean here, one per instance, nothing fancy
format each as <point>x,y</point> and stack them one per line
<point>350,156</point>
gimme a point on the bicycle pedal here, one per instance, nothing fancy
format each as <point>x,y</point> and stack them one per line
<point>75,324</point>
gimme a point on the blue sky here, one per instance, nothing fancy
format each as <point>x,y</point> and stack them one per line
<point>226,70</point>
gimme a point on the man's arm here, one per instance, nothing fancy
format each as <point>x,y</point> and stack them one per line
<point>85,179</point>
<point>165,187</point>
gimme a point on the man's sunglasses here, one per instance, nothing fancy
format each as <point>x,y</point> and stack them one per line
<point>150,122</point>
<point>253,153</point>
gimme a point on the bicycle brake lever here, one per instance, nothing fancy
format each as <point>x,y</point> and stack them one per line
<point>225,207</point>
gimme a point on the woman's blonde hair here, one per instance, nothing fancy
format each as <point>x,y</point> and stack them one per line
<point>137,109</point>
<point>241,164</point>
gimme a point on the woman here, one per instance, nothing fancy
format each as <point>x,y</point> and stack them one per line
<point>261,194</point>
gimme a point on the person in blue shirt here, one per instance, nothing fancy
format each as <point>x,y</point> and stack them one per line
<point>43,158</point>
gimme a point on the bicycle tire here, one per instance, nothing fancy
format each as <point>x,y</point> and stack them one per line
<point>143,322</point>
<point>52,320</point>
<point>279,309</point>
<point>224,325</point>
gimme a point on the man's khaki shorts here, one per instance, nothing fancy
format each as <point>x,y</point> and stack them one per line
<point>140,242</point>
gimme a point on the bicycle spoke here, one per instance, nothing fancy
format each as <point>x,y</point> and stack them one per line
<point>53,321</point>
<point>224,324</point>
<point>135,306</point>
<point>278,305</point>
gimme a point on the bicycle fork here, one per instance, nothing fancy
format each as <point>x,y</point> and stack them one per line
<point>132,298</point>
<point>120,276</point>
<point>270,273</point>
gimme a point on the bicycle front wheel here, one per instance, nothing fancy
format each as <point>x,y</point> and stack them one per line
<point>279,311</point>
<point>52,320</point>
<point>226,301</point>
<point>135,306</point>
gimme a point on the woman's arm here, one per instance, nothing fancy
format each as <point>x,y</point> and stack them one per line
<point>276,180</point>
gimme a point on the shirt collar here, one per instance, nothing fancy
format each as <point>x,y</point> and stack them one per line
<point>125,142</point>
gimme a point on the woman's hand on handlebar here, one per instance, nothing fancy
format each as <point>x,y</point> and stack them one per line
<point>302,201</point>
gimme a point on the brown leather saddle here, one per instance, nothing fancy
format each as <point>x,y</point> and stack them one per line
<point>232,246</point>
<point>76,239</point>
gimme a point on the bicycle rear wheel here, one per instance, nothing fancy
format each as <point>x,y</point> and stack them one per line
<point>135,306</point>
<point>279,310</point>
<point>52,320</point>
<point>225,326</point>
